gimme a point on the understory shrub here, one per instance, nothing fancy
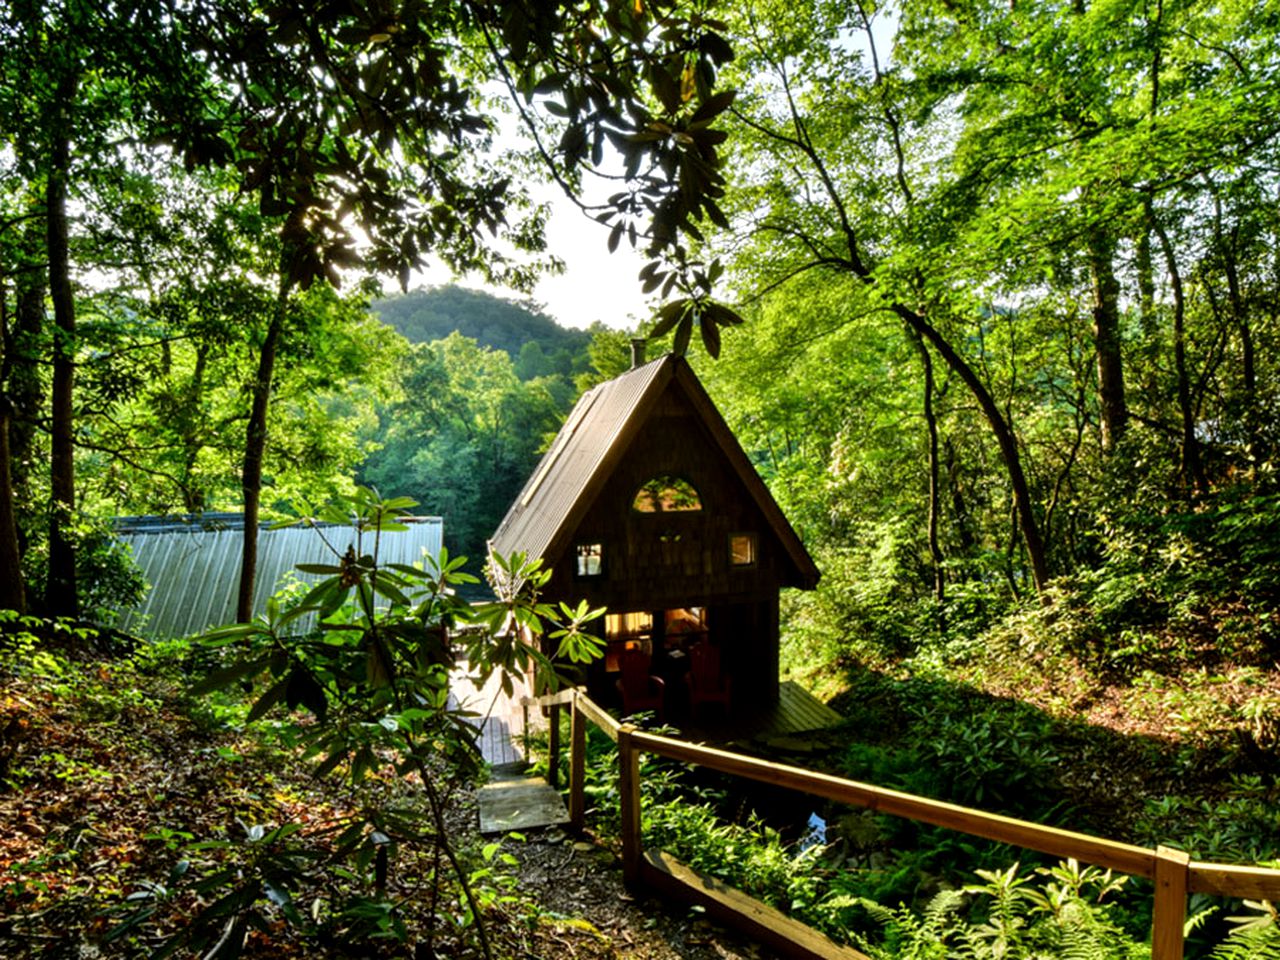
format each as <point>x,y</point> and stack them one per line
<point>1242,827</point>
<point>1011,916</point>
<point>1190,582</point>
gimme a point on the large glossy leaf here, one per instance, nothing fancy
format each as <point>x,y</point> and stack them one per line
<point>225,676</point>
<point>274,695</point>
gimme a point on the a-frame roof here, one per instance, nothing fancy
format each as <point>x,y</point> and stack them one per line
<point>542,520</point>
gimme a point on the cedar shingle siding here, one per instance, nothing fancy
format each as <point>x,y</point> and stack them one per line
<point>655,421</point>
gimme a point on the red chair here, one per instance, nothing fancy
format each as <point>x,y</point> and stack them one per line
<point>707,684</point>
<point>640,689</point>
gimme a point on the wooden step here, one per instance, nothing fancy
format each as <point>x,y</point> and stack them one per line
<point>513,801</point>
<point>735,909</point>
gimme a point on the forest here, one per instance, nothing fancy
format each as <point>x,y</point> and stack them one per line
<point>989,292</point>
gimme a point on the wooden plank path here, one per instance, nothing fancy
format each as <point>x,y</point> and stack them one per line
<point>511,800</point>
<point>501,718</point>
<point>797,711</point>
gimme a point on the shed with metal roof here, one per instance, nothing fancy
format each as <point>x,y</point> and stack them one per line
<point>646,504</point>
<point>192,564</point>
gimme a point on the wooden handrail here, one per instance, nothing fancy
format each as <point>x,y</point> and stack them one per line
<point>1174,873</point>
<point>1233,880</point>
<point>564,696</point>
<point>1138,861</point>
<point>597,715</point>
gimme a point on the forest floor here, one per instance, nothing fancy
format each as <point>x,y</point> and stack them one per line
<point>1114,747</point>
<point>110,779</point>
<point>120,792</point>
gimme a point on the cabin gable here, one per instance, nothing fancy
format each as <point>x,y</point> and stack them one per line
<point>670,557</point>
<point>646,505</point>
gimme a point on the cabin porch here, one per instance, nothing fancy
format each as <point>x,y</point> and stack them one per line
<point>503,719</point>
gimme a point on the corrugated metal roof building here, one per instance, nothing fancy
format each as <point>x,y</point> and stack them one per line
<point>193,564</point>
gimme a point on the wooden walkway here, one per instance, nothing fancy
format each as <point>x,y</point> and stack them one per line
<point>501,718</point>
<point>796,714</point>
<point>513,801</point>
<point>797,711</point>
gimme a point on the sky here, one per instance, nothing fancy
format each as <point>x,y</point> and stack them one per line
<point>596,284</point>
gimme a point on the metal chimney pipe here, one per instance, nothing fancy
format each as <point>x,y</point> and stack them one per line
<point>637,352</point>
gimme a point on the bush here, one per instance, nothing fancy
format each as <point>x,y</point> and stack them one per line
<point>108,580</point>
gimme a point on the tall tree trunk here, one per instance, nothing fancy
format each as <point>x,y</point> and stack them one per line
<point>60,591</point>
<point>255,445</point>
<point>1191,467</point>
<point>1113,410</point>
<point>1146,282</point>
<point>1240,318</point>
<point>931,423</point>
<point>1005,440</point>
<point>12,593</point>
<point>26,392</point>
<point>193,495</point>
<point>959,509</point>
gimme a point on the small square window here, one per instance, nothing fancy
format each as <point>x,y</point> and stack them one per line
<point>590,559</point>
<point>742,549</point>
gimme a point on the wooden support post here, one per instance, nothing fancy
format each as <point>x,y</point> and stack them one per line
<point>577,766</point>
<point>524,727</point>
<point>553,746</point>
<point>629,803</point>
<point>1170,912</point>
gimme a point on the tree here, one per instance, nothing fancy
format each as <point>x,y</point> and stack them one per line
<point>340,120</point>
<point>851,147</point>
<point>463,438</point>
<point>345,118</point>
<point>988,179</point>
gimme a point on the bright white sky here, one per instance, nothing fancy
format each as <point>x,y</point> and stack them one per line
<point>596,284</point>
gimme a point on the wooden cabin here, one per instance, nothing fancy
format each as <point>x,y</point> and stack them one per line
<point>647,505</point>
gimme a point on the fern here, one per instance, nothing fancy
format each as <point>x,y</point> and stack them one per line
<point>1253,943</point>
<point>1015,920</point>
<point>1256,937</point>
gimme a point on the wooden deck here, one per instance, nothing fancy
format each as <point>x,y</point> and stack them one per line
<point>797,711</point>
<point>796,714</point>
<point>501,718</point>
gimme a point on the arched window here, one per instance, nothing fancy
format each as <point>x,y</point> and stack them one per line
<point>666,494</point>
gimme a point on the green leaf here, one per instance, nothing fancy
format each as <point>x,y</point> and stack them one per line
<point>710,335</point>
<point>387,587</point>
<point>225,676</point>
<point>668,316</point>
<point>684,333</point>
<point>324,569</point>
<point>274,695</point>
<point>235,631</point>
<point>714,105</point>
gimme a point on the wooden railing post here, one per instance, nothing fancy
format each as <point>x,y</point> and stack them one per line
<point>629,803</point>
<point>577,765</point>
<point>1169,915</point>
<point>553,745</point>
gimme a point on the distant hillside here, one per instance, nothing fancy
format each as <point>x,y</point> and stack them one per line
<point>426,315</point>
